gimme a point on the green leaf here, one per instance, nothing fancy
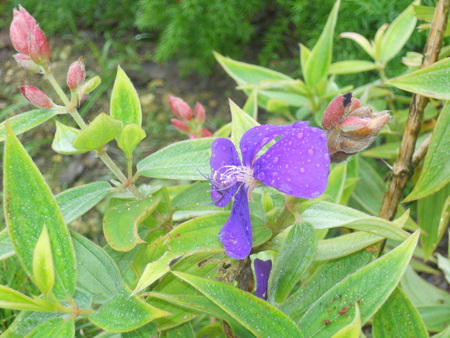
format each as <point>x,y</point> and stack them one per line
<point>323,279</point>
<point>250,311</point>
<point>304,56</point>
<point>294,257</point>
<point>75,202</point>
<point>184,330</point>
<point>55,327</point>
<point>344,245</point>
<point>26,321</point>
<point>336,183</point>
<point>155,270</point>
<point>129,138</point>
<point>120,223</point>
<point>431,81</point>
<point>353,329</point>
<point>123,313</point>
<point>12,299</point>
<point>180,160</point>
<point>251,105</point>
<point>319,60</point>
<point>194,197</point>
<point>433,214</point>
<point>26,213</point>
<point>6,246</point>
<point>240,123</point>
<point>43,269</point>
<point>64,136</point>
<point>26,121</point>
<point>397,34</point>
<point>89,85</point>
<point>388,151</point>
<point>398,315</point>
<point>351,66</point>
<point>364,287</point>
<point>325,215</point>
<point>125,105</point>
<point>361,41</point>
<point>435,317</point>
<point>436,169</point>
<point>98,133</point>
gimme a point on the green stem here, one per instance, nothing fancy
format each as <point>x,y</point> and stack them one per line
<point>287,216</point>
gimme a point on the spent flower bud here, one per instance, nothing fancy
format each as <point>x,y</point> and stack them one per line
<point>26,62</point>
<point>351,128</point>
<point>180,108</point>
<point>76,74</point>
<point>27,38</point>
<point>37,97</point>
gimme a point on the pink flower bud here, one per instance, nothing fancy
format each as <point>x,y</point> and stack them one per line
<point>180,108</point>
<point>26,62</point>
<point>27,38</point>
<point>181,126</point>
<point>338,109</point>
<point>39,48</point>
<point>199,113</point>
<point>76,74</point>
<point>21,29</point>
<point>193,136</point>
<point>206,133</point>
<point>36,97</point>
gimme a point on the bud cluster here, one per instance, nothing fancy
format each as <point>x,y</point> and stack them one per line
<point>350,127</point>
<point>188,122</point>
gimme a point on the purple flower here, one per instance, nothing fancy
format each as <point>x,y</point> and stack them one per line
<point>296,164</point>
<point>262,272</point>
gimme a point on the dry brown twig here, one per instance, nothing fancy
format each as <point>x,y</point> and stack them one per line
<point>404,166</point>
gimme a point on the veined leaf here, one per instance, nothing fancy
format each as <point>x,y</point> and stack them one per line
<point>183,160</point>
<point>353,329</point>
<point>125,105</point>
<point>431,81</point>
<point>436,169</point>
<point>398,33</point>
<point>398,315</point>
<point>319,60</point>
<point>250,310</point>
<point>325,316</point>
<point>27,212</point>
<point>6,246</point>
<point>351,66</point>
<point>26,321</point>
<point>55,327</point>
<point>26,121</point>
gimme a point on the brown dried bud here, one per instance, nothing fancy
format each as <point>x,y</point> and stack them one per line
<point>350,127</point>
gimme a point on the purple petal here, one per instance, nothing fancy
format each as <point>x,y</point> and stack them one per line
<point>236,234</point>
<point>223,153</point>
<point>262,272</point>
<point>256,138</point>
<point>297,164</point>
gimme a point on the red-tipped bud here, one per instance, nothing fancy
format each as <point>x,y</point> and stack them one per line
<point>199,113</point>
<point>39,48</point>
<point>76,74</point>
<point>26,62</point>
<point>27,38</point>
<point>181,126</point>
<point>206,133</point>
<point>180,108</point>
<point>20,31</point>
<point>36,97</point>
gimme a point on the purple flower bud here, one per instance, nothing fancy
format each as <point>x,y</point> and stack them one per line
<point>76,74</point>
<point>262,272</point>
<point>36,97</point>
<point>180,108</point>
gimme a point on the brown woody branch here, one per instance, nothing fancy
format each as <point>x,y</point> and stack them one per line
<point>404,166</point>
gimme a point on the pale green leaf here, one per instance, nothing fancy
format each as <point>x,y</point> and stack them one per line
<point>240,123</point>
<point>26,121</point>
<point>361,41</point>
<point>251,105</point>
<point>180,160</point>
<point>6,246</point>
<point>43,269</point>
<point>398,315</point>
<point>432,81</point>
<point>12,299</point>
<point>55,327</point>
<point>436,169</point>
<point>27,212</point>
<point>353,329</point>
<point>304,56</point>
<point>351,66</point>
<point>129,138</point>
<point>64,136</point>
<point>369,287</point>
<point>319,60</point>
<point>125,105</point>
<point>250,311</point>
<point>26,321</point>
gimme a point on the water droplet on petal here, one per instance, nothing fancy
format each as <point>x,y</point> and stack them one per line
<point>265,140</point>
<point>262,175</point>
<point>315,194</point>
<point>244,150</point>
<point>300,135</point>
<point>302,170</point>
<point>326,156</point>
<point>275,160</point>
<point>310,152</point>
